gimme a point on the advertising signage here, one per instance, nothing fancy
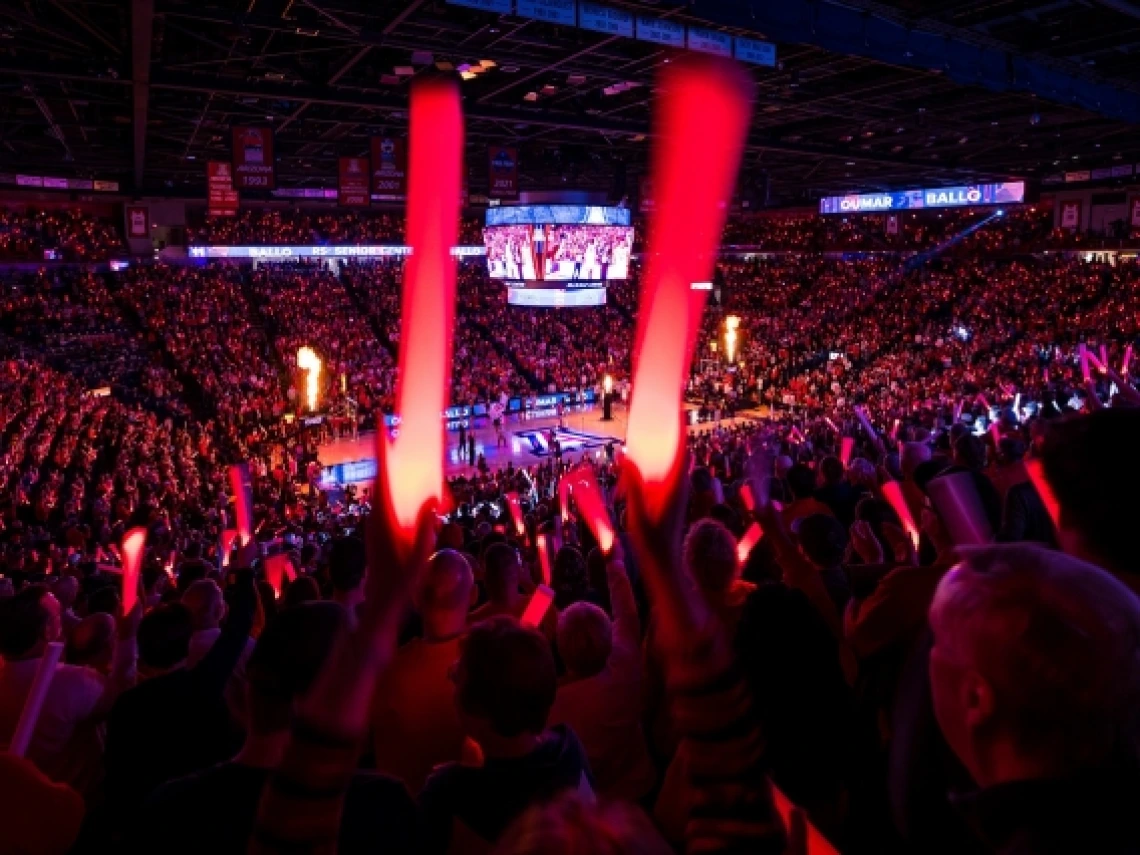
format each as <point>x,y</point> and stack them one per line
<point>1009,193</point>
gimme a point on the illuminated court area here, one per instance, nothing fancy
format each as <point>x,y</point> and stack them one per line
<point>352,461</point>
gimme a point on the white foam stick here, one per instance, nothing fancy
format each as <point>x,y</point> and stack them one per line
<point>956,499</point>
<point>34,703</point>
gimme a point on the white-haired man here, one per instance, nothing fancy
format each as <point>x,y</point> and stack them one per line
<point>1035,679</point>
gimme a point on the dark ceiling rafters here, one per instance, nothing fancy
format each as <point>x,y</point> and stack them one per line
<point>323,73</point>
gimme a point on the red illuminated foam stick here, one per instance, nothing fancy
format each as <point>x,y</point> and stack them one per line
<point>846,446</point>
<point>1084,363</point>
<point>516,513</point>
<point>243,501</point>
<point>700,125</point>
<point>277,568</point>
<point>564,489</point>
<point>816,843</point>
<point>895,429</point>
<point>543,546</point>
<point>995,434</point>
<point>540,602</point>
<point>1103,355</point>
<point>892,492</point>
<point>228,538</point>
<point>1036,473</point>
<point>134,542</point>
<point>34,702</point>
<point>747,498</point>
<point>831,424</point>
<point>593,507</point>
<point>958,410</point>
<point>1126,361</point>
<point>750,539</point>
<point>412,470</point>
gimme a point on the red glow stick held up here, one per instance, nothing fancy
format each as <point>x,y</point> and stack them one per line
<point>516,513</point>
<point>892,492</point>
<point>543,546</point>
<point>134,542</point>
<point>747,498</point>
<point>243,501</point>
<point>846,446</point>
<point>1126,361</point>
<point>700,125</point>
<point>1084,363</point>
<point>746,543</point>
<point>1036,472</point>
<point>540,602</point>
<point>412,470</point>
<point>593,507</point>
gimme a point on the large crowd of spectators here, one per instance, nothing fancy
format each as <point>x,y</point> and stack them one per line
<point>64,235</point>
<point>901,595</point>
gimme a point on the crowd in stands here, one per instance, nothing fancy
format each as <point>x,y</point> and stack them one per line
<point>290,225</point>
<point>68,235</point>
<point>904,598</point>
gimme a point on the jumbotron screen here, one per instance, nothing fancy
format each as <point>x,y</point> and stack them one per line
<point>560,244</point>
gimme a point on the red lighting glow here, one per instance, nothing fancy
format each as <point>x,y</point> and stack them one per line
<point>593,507</point>
<point>413,466</point>
<point>1036,472</point>
<point>700,122</point>
<point>243,501</point>
<point>892,492</point>
<point>536,609</point>
<point>134,542</point>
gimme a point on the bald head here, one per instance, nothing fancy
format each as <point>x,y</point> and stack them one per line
<point>444,592</point>
<point>1034,666</point>
<point>204,601</point>
<point>585,639</point>
<point>91,642</point>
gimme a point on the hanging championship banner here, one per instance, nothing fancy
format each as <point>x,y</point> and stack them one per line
<point>253,159</point>
<point>137,226</point>
<point>352,188</point>
<point>504,172</point>
<point>389,168</point>
<point>221,197</point>
<point>1071,215</point>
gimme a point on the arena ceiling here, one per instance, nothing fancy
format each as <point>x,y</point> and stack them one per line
<point>865,95</point>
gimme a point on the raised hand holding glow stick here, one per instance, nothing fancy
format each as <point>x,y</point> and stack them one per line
<point>134,542</point>
<point>892,492</point>
<point>34,702</point>
<point>705,107</point>
<point>412,470</point>
<point>593,507</point>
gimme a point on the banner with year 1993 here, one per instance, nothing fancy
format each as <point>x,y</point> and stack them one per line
<point>253,159</point>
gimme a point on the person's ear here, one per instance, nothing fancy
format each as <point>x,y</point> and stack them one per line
<point>978,700</point>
